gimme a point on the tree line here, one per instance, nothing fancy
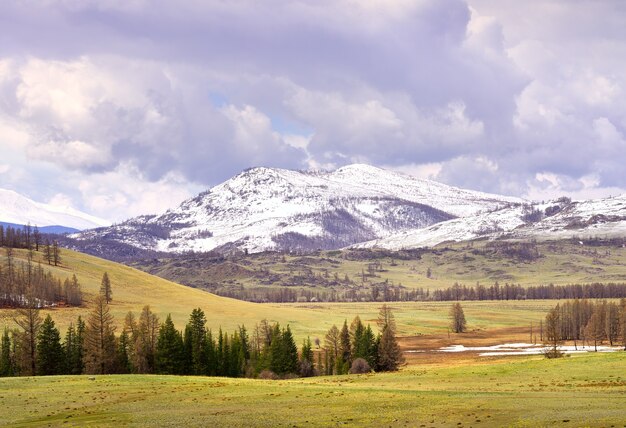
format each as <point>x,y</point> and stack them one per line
<point>385,292</point>
<point>588,322</point>
<point>24,283</point>
<point>531,292</point>
<point>147,345</point>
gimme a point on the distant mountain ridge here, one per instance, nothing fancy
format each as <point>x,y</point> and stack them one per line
<point>20,210</point>
<point>54,229</point>
<point>275,209</point>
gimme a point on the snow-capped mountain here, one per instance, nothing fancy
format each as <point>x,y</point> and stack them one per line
<point>553,220</point>
<point>275,209</point>
<point>18,209</point>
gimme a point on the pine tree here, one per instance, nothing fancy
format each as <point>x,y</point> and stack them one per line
<point>50,356</point>
<point>306,359</point>
<point>195,342</point>
<point>123,364</point>
<point>332,344</point>
<point>100,349</point>
<point>6,363</point>
<point>345,348</point>
<point>105,288</point>
<point>291,352</point>
<point>145,342</point>
<point>169,349</point>
<point>74,347</point>
<point>389,354</point>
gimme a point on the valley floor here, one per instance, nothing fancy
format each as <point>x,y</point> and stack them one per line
<point>582,390</point>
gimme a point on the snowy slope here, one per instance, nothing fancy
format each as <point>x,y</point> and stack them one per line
<point>276,209</point>
<point>553,220</point>
<point>15,208</point>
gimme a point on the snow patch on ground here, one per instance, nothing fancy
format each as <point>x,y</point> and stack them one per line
<point>507,349</point>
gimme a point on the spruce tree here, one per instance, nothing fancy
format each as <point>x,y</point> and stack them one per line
<point>195,342</point>
<point>6,364</point>
<point>50,356</point>
<point>306,359</point>
<point>291,352</point>
<point>389,354</point>
<point>169,349</point>
<point>123,363</point>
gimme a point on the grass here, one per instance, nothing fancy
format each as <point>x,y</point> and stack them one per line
<point>132,289</point>
<point>434,389</point>
<point>587,390</point>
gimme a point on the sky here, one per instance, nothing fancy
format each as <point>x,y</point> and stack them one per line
<point>127,107</point>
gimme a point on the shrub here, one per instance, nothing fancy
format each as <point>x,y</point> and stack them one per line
<point>268,374</point>
<point>360,366</point>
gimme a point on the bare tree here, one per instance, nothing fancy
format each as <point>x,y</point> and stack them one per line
<point>457,318</point>
<point>553,332</point>
<point>100,339</point>
<point>30,321</point>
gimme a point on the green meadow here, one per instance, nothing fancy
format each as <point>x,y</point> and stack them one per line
<point>588,390</point>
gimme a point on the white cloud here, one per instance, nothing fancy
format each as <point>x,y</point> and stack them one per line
<point>165,96</point>
<point>125,192</point>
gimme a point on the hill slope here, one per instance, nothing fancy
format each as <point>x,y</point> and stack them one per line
<point>133,289</point>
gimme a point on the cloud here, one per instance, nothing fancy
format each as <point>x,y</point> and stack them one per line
<point>180,96</point>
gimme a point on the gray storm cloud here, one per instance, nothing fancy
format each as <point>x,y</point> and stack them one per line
<point>186,94</point>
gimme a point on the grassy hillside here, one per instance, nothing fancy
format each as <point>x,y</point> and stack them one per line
<point>132,289</point>
<point>557,262</point>
<point>584,390</point>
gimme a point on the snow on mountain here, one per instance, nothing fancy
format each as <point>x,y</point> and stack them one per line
<point>558,219</point>
<point>277,209</point>
<point>18,209</point>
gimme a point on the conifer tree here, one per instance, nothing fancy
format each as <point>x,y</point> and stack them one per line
<point>389,354</point>
<point>73,347</point>
<point>169,349</point>
<point>332,344</point>
<point>345,346</point>
<point>123,359</point>
<point>6,363</point>
<point>100,349</point>
<point>195,342</point>
<point>145,341</point>
<point>306,359</point>
<point>291,351</point>
<point>105,288</point>
<point>50,355</point>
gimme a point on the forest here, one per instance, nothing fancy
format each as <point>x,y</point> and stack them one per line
<point>146,345</point>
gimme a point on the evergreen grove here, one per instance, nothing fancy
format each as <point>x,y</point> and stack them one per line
<point>146,345</point>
